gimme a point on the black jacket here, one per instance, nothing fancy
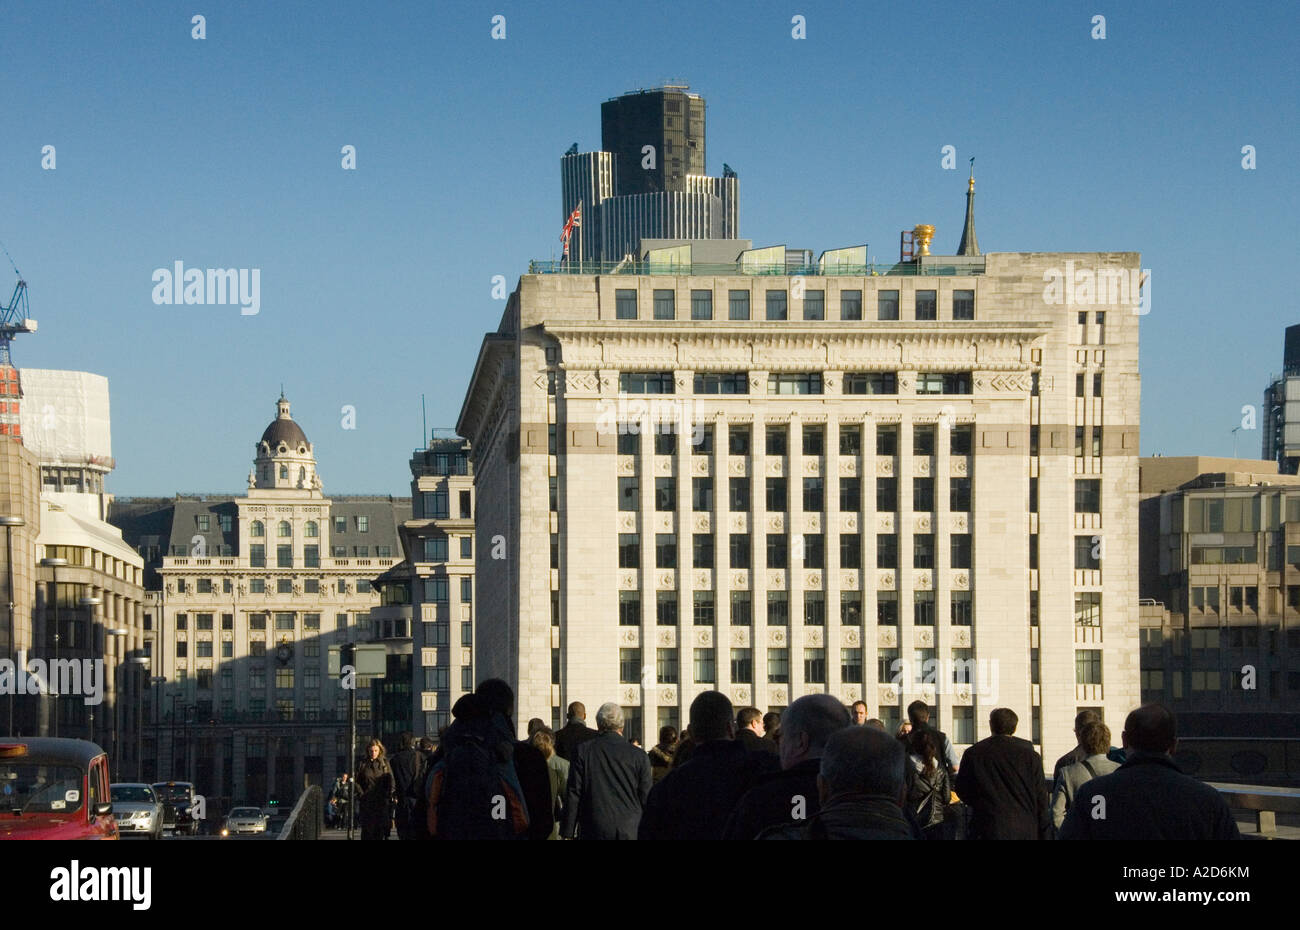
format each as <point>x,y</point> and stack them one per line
<point>928,797</point>
<point>609,780</point>
<point>849,817</point>
<point>1001,779</point>
<point>535,783</point>
<point>694,801</point>
<point>1148,798</point>
<point>408,772</point>
<point>777,799</point>
<point>755,743</point>
<point>570,736</point>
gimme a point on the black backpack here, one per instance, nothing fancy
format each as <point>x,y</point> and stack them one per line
<point>473,791</point>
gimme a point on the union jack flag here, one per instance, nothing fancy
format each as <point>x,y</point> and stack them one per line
<point>575,219</point>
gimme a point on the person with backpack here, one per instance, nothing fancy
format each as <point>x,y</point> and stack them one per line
<point>930,790</point>
<point>484,784</point>
<point>375,793</point>
<point>1094,739</point>
<point>408,784</point>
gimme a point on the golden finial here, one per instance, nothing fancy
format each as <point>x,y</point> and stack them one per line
<point>972,174</point>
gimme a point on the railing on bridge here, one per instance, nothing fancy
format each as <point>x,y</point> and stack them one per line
<point>307,819</point>
<point>1266,803</point>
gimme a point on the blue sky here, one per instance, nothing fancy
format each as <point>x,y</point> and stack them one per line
<point>376,283</point>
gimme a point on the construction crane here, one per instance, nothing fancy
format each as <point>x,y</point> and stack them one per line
<point>14,318</point>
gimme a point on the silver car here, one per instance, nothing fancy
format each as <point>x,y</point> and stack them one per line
<point>137,809</point>
<point>244,820</point>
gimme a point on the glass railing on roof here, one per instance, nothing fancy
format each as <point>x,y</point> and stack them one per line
<point>749,268</point>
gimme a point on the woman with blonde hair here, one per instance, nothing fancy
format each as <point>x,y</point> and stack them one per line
<point>543,739</point>
<point>375,793</point>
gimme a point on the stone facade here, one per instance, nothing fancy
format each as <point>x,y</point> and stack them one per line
<point>1001,393</point>
<point>248,595</point>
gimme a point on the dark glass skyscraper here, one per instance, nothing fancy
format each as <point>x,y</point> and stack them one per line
<point>648,181</point>
<point>671,122</point>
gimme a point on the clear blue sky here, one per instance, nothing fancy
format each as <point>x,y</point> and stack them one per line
<point>376,283</point>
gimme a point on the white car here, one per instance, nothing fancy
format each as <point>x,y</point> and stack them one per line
<point>137,809</point>
<point>245,820</point>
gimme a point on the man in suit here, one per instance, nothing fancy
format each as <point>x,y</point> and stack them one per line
<point>750,732</point>
<point>1001,779</point>
<point>1148,797</point>
<point>574,733</point>
<point>609,780</point>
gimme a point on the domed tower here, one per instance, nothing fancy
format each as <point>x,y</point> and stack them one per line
<point>285,460</point>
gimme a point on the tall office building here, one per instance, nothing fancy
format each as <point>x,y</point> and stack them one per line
<point>668,119</point>
<point>890,483</point>
<point>1220,616</point>
<point>648,182</point>
<point>439,545</point>
<point>1281,415</point>
<point>98,595</point>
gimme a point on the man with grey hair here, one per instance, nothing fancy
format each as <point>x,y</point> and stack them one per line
<point>609,780</point>
<point>790,795</point>
<point>861,786</point>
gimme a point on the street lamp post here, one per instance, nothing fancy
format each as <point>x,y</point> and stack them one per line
<point>156,681</point>
<point>9,523</point>
<point>118,633</point>
<point>142,664</point>
<point>55,564</point>
<point>90,603</point>
<point>171,731</point>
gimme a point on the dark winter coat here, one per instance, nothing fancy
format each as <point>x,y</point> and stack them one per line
<point>695,799</point>
<point>849,817</point>
<point>777,799</point>
<point>1001,780</point>
<point>1148,798</point>
<point>609,780</point>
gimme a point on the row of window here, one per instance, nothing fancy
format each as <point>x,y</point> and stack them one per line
<point>311,555</point>
<point>1212,680</point>
<point>777,304</point>
<point>1081,445</point>
<point>814,496</point>
<point>282,585</point>
<point>1240,598</point>
<point>434,505</point>
<point>809,550</point>
<point>438,590</point>
<point>798,382</point>
<point>889,666</point>
<point>284,529</point>
<point>703,608</point>
<point>813,440</point>
<point>435,548</point>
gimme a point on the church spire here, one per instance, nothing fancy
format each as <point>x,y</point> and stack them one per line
<point>969,244</point>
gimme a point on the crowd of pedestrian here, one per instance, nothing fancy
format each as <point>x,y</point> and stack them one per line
<point>821,770</point>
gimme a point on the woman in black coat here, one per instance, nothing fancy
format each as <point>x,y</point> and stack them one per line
<point>375,793</point>
<point>929,793</point>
